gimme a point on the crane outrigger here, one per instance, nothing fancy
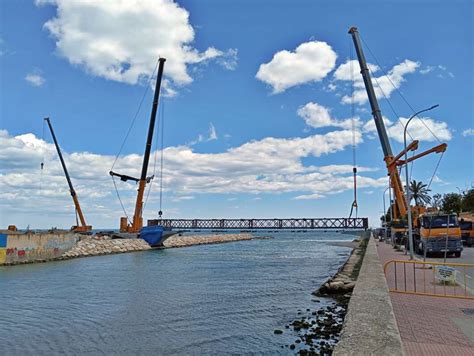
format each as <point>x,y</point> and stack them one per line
<point>83,227</point>
<point>400,206</point>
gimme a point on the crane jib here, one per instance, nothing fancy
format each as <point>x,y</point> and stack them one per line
<point>376,113</point>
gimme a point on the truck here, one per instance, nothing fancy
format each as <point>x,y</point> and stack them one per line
<point>467,232</point>
<point>438,233</point>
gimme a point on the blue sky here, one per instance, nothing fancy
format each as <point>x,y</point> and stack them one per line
<point>256,124</point>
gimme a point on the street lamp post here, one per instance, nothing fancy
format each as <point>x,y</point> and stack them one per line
<point>410,227</point>
<point>385,215</point>
<point>391,208</point>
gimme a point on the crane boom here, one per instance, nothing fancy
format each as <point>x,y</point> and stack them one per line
<point>376,113</point>
<point>84,227</point>
<point>379,124</point>
<point>137,222</point>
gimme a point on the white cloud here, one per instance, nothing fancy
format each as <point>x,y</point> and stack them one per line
<point>122,40</point>
<point>468,132</point>
<point>212,132</point>
<point>427,69</point>
<point>350,70</point>
<point>310,62</point>
<point>419,131</point>
<point>439,181</point>
<point>331,87</point>
<point>35,78</point>
<point>211,136</point>
<point>416,129</point>
<point>271,165</point>
<point>383,85</point>
<point>318,116</point>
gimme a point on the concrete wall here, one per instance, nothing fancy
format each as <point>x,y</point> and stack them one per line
<point>18,247</point>
<point>370,327</point>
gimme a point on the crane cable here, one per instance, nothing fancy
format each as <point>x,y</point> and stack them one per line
<point>42,163</point>
<point>411,108</point>
<point>160,212</point>
<point>399,92</point>
<point>354,163</point>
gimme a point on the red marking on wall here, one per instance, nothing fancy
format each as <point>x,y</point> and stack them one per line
<point>10,251</point>
<point>21,252</point>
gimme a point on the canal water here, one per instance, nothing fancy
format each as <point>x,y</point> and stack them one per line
<point>212,299</point>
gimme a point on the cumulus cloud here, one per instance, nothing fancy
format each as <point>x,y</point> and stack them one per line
<point>350,70</point>
<point>310,62</point>
<point>383,85</point>
<point>418,129</point>
<point>122,40</point>
<point>318,116</point>
<point>271,166</point>
<point>35,78</point>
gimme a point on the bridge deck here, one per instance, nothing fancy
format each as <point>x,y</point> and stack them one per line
<point>310,223</point>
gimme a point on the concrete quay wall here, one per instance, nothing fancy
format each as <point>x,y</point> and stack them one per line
<point>17,247</point>
<point>370,327</point>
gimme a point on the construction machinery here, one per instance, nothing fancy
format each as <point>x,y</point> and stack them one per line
<point>400,204</point>
<point>155,235</point>
<point>437,233</point>
<point>83,227</point>
<point>466,222</point>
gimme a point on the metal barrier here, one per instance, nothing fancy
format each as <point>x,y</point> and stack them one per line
<point>435,279</point>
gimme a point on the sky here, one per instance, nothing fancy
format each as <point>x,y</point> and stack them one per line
<point>261,105</point>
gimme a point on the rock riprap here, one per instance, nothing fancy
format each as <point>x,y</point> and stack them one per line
<point>92,246</point>
<point>191,240</point>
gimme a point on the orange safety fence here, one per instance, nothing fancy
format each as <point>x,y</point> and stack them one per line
<point>430,278</point>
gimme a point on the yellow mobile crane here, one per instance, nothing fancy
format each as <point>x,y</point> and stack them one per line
<point>400,206</point>
<point>83,228</point>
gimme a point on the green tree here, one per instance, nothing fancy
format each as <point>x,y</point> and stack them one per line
<point>452,203</point>
<point>419,192</point>
<point>387,215</point>
<point>468,201</point>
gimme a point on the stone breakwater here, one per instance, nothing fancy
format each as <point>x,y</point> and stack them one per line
<point>104,245</point>
<point>191,240</point>
<point>95,246</point>
<point>343,282</point>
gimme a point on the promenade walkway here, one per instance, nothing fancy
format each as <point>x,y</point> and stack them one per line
<point>430,325</point>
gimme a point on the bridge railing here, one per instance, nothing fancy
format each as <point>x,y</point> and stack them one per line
<point>255,224</point>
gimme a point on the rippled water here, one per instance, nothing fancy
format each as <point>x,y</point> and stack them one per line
<point>213,299</point>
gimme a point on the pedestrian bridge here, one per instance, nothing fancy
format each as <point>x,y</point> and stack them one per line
<point>256,224</point>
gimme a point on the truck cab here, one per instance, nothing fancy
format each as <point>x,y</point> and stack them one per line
<point>438,233</point>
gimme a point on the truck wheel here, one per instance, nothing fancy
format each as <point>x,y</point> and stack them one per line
<point>457,254</point>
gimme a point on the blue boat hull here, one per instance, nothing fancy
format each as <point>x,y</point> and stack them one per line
<point>155,235</point>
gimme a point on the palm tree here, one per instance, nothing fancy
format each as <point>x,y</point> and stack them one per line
<point>419,192</point>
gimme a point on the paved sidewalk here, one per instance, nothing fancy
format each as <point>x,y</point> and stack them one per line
<point>429,325</point>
